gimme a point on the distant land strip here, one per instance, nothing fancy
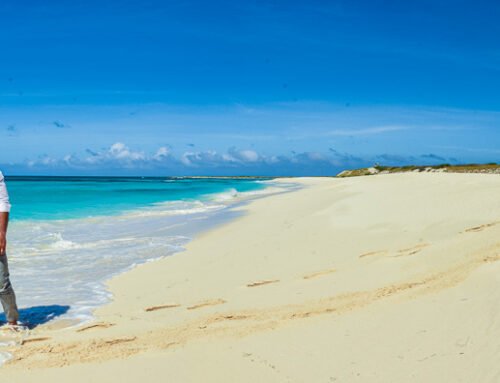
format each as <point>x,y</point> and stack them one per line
<point>490,168</point>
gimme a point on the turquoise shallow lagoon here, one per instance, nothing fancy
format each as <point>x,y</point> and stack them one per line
<point>69,235</point>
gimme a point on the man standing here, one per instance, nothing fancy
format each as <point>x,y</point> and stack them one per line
<point>7,296</point>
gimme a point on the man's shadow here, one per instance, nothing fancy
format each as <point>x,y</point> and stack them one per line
<point>38,315</point>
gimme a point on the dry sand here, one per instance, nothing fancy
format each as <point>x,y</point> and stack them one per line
<point>390,278</point>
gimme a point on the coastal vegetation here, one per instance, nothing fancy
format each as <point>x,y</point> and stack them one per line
<point>492,168</point>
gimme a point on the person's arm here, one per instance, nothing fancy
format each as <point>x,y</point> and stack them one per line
<point>4,222</point>
<point>4,214</point>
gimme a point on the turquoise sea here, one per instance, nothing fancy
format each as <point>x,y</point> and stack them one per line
<point>49,198</point>
<point>69,235</point>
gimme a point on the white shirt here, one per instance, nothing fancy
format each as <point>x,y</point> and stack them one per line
<point>4,196</point>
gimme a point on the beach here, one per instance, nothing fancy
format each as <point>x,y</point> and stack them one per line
<point>384,278</point>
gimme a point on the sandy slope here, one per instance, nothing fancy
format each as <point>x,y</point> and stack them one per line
<point>377,279</point>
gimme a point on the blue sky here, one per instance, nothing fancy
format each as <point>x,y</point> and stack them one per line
<point>255,87</point>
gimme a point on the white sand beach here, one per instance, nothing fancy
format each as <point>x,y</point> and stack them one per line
<point>386,278</point>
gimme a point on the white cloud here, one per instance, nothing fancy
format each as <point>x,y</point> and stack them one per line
<point>121,151</point>
<point>119,155</point>
<point>162,153</point>
<point>249,155</point>
<point>212,158</point>
<point>206,158</point>
<point>233,161</point>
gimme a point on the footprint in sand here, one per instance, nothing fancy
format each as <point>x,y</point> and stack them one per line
<point>400,253</point>
<point>95,326</point>
<point>481,227</point>
<point>373,253</point>
<point>411,250</point>
<point>33,340</point>
<point>319,274</point>
<point>213,302</point>
<point>262,283</point>
<point>120,340</point>
<point>161,307</point>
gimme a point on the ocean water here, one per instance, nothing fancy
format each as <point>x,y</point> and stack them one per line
<point>69,235</point>
<point>52,198</point>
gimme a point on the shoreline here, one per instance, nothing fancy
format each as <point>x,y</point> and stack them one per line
<point>73,317</point>
<point>295,273</point>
